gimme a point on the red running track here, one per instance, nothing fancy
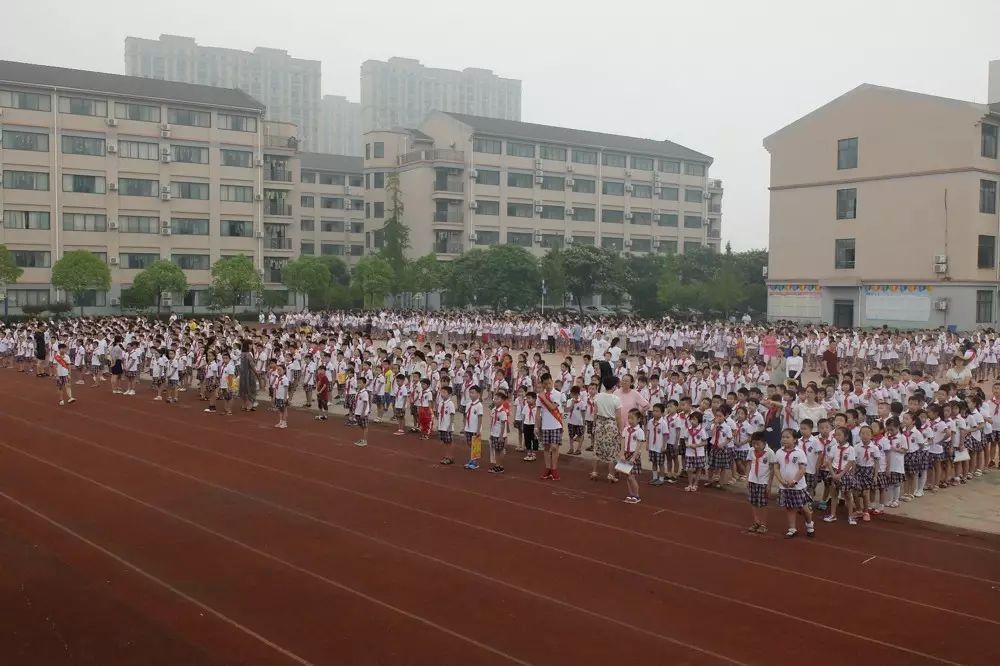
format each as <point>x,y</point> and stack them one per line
<point>133,532</point>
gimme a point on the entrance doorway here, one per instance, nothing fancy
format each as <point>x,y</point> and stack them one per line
<point>843,314</point>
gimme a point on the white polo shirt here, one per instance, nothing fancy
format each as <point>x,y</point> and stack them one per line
<point>789,462</point>
<point>760,467</point>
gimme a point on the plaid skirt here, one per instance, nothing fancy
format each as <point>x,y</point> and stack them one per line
<point>349,403</point>
<point>937,457</point>
<point>670,451</point>
<point>913,463</point>
<point>882,480</point>
<point>590,427</point>
<point>656,458</point>
<point>757,493</point>
<point>226,394</point>
<point>444,436</point>
<point>158,381</point>
<point>793,498</point>
<point>636,465</point>
<point>721,458</point>
<point>280,403</point>
<point>61,381</point>
<point>131,374</point>
<point>575,431</point>
<point>211,384</point>
<point>894,478</point>
<point>975,445</point>
<point>694,462</point>
<point>361,421</point>
<point>498,443</point>
<point>552,437</point>
<point>864,478</point>
<point>399,413</point>
<point>811,482</point>
<point>846,482</point>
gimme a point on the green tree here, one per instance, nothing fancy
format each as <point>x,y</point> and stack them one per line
<point>233,280</point>
<point>553,270</point>
<point>9,272</point>
<point>593,270</point>
<point>374,277</point>
<point>161,277</point>
<point>395,234</point>
<point>726,290</point>
<point>425,275</point>
<point>306,276</point>
<point>461,277</point>
<point>509,277</point>
<point>646,271</point>
<point>80,271</point>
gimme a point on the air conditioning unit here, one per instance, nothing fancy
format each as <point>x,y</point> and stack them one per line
<point>115,302</point>
<point>113,261</point>
<point>113,225</point>
<point>569,168</point>
<point>539,179</point>
<point>348,190</point>
<point>568,240</point>
<point>348,205</point>
<point>164,134</point>
<point>940,258</point>
<point>657,190</point>
<point>763,272</point>
<point>258,235</point>
<point>538,208</point>
<point>940,268</point>
<point>167,301</point>
<point>628,243</point>
<point>165,158</point>
<point>164,189</point>
<point>112,122</point>
<point>473,205</point>
<point>258,197</point>
<point>112,148</point>
<point>570,211</point>
<point>628,216</point>
<point>164,196</point>
<point>165,126</point>
<point>165,231</point>
<point>629,188</point>
<point>569,182</point>
<point>473,173</point>
<point>628,174</point>
<point>941,304</point>
<point>656,243</point>
<point>472,237</point>
<point>538,163</point>
<point>112,186</point>
<point>258,162</point>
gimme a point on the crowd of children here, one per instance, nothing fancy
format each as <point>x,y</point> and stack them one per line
<point>697,402</point>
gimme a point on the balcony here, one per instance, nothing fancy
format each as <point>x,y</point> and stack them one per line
<point>715,184</point>
<point>714,232</point>
<point>451,216</point>
<point>714,207</point>
<point>276,207</point>
<point>286,142</point>
<point>277,243</point>
<point>435,155</point>
<point>277,175</point>
<point>453,185</point>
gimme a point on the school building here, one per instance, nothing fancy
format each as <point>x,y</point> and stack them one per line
<point>884,211</point>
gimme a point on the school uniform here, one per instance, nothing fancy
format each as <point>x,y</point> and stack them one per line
<point>498,427</point>
<point>632,437</point>
<point>867,461</point>
<point>759,464</point>
<point>790,462</point>
<point>445,414</point>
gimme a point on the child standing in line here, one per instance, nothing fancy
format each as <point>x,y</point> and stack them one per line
<point>499,418</point>
<point>350,393</point>
<point>362,410</point>
<point>425,402</point>
<point>694,450</point>
<point>322,393</point>
<point>281,384</point>
<point>576,410</point>
<point>309,379</point>
<point>530,440</point>
<point>173,376</point>
<point>473,425</point>
<point>760,474</point>
<point>632,438</point>
<point>400,393</point>
<point>591,414</point>
<point>656,435</point>
<point>674,423</point>
<point>867,456</point>
<point>841,465</point>
<point>519,418</point>
<point>790,471</point>
<point>227,378</point>
<point>61,361</point>
<point>445,414</point>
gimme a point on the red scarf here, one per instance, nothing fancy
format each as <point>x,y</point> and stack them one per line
<point>756,462</point>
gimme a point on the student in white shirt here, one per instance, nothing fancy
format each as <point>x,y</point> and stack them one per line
<point>62,365</point>
<point>473,426</point>
<point>760,473</point>
<point>362,410</point>
<point>444,414</point>
<point>499,424</point>
<point>790,470</point>
<point>550,408</point>
<point>631,454</point>
<point>280,383</point>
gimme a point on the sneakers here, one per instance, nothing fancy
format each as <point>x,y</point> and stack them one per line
<point>62,403</point>
<point>547,476</point>
<point>866,517</point>
<point>209,410</point>
<point>830,519</point>
<point>472,464</point>
<point>496,469</point>
<point>851,520</point>
<point>158,398</point>
<point>361,442</point>
<point>632,499</point>
<point>71,401</point>
<point>554,476</point>
<point>810,530</point>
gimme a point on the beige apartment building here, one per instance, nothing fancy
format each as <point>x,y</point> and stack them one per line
<point>289,87</point>
<point>470,181</point>
<point>884,211</point>
<point>401,92</point>
<point>339,126</point>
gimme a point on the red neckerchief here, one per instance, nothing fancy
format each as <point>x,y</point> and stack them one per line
<point>715,436</point>
<point>756,462</point>
<point>628,440</point>
<point>788,454</point>
<point>865,446</point>
<point>468,410</point>
<point>840,456</point>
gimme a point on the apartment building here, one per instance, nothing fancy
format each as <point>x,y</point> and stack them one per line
<point>401,92</point>
<point>339,126</point>
<point>884,212</point>
<point>331,207</point>
<point>470,181</point>
<point>289,87</point>
<point>133,170</point>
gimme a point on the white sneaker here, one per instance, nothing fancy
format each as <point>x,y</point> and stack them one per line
<point>158,398</point>
<point>62,402</point>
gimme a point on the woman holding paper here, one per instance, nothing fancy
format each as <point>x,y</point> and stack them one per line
<point>608,423</point>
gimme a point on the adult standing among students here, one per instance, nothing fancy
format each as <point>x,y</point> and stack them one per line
<point>117,355</point>
<point>599,345</point>
<point>608,423</point>
<point>41,352</point>
<point>959,375</point>
<point>794,365</point>
<point>831,363</point>
<point>769,347</point>
<point>248,376</point>
<point>630,399</point>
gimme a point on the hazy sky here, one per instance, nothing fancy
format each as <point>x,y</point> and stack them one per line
<point>715,76</point>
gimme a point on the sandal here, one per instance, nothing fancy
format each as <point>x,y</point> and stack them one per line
<point>612,478</point>
<point>447,461</point>
<point>593,476</point>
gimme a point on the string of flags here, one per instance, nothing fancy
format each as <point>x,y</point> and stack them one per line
<point>897,288</point>
<point>794,288</point>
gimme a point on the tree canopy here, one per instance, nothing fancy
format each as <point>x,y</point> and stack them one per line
<point>374,277</point>
<point>234,279</point>
<point>162,276</point>
<point>80,271</point>
<point>9,271</point>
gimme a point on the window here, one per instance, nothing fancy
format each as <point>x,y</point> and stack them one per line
<point>487,177</point>
<point>487,237</point>
<point>613,216</point>
<point>25,219</point>
<point>236,123</point>
<point>667,220</point>
<point>331,179</point>
<point>553,213</point>
<point>354,181</point>
<point>357,250</point>
<point>331,202</point>
<point>81,145</point>
<point>585,156</point>
<point>84,184</point>
<point>138,187</point>
<point>515,179</point>
<point>670,166</point>
<point>84,222</point>
<point>552,153</point>
<point>137,260</point>
<point>520,149</point>
<point>25,180</point>
<point>668,247</point>
<point>642,191</point>
<point>27,101</point>
<point>989,145</point>
<point>693,195</point>
<point>694,169</point>
<point>843,253</point>
<point>584,214</point>
<point>331,248</point>
<point>357,227</point>
<point>242,193</point>
<point>642,217</point>
<point>368,151</point>
<point>553,241</point>
<point>692,246</point>
<point>331,226</point>
<point>81,106</point>
<point>553,183</point>
<point>692,222</point>
<point>138,150</point>
<point>670,193</point>
<point>613,187</point>
<point>307,201</point>
<point>192,262</point>
<point>519,210</point>
<point>32,258</point>
<point>519,238</point>
<point>189,117</point>
<point>189,154</point>
<point>489,146</point>
<point>847,204</point>
<point>187,226</point>
<point>488,207</point>
<point>987,251</point>
<point>378,150</point>
<point>13,140</point>
<point>612,243</point>
<point>236,228</point>
<point>143,112</point>
<point>307,225</point>
<point>308,177</point>
<point>368,210</point>
<point>988,196</point>
<point>642,244</point>
<point>584,185</point>
<point>19,297</point>
<point>613,160</point>
<point>447,242</point>
<point>189,190</point>
<point>138,224</point>
<point>356,203</point>
<point>103,256</point>
<point>642,163</point>
<point>378,180</point>
<point>91,298</point>
<point>307,247</point>
<point>984,306</point>
<point>847,153</point>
